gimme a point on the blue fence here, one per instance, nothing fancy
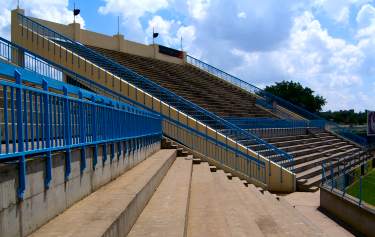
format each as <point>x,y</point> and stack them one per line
<point>351,183</point>
<point>53,116</point>
<point>149,86</point>
<point>268,100</point>
<point>255,167</point>
<point>252,123</point>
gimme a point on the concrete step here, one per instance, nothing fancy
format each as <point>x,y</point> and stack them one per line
<point>288,218</point>
<point>166,212</point>
<point>205,218</point>
<point>113,209</point>
<point>307,144</point>
<point>241,222</point>
<point>299,168</point>
<point>266,209</point>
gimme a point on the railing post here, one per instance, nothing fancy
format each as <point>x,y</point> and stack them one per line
<point>94,138</point>
<point>67,137</point>
<point>360,190</point>
<point>332,175</point>
<point>82,132</point>
<point>48,176</point>
<point>21,160</point>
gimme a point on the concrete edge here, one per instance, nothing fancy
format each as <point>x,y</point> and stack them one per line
<point>124,223</point>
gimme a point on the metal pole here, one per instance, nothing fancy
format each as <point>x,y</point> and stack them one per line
<point>360,190</point>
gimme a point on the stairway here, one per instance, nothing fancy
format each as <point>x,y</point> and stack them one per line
<point>172,194</point>
<point>310,150</point>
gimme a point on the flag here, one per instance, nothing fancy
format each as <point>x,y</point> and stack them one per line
<point>154,35</point>
<point>76,12</point>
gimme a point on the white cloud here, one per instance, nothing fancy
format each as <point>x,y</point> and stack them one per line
<point>338,10</point>
<point>366,21</point>
<point>330,66</point>
<point>171,32</point>
<point>56,11</point>
<point>4,23</point>
<point>131,11</point>
<point>132,8</point>
<point>198,8</point>
<point>241,15</point>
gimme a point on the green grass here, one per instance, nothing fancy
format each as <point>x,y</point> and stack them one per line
<point>368,188</point>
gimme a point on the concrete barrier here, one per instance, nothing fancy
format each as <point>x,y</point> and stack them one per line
<point>20,218</point>
<point>359,218</point>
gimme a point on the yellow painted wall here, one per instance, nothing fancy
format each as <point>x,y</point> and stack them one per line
<point>115,42</point>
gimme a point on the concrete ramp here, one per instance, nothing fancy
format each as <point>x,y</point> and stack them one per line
<point>114,208</point>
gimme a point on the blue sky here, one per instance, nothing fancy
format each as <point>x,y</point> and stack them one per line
<point>328,45</point>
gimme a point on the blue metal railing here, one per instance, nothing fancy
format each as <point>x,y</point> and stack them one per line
<point>257,173</point>
<point>340,178</point>
<point>252,123</point>
<point>255,168</point>
<point>267,100</point>
<point>38,121</point>
<point>151,87</point>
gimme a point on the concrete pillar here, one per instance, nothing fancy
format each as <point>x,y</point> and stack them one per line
<point>76,31</point>
<point>120,42</point>
<point>18,56</point>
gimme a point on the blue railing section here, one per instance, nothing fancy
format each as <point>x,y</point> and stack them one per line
<point>347,133</point>
<point>38,121</point>
<point>252,123</point>
<point>154,89</point>
<point>340,178</point>
<point>267,100</point>
<point>255,168</point>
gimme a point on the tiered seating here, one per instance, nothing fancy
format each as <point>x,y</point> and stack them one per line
<point>213,94</point>
<point>311,150</point>
<point>195,85</point>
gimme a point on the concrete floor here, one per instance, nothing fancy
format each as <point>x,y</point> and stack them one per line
<point>307,203</point>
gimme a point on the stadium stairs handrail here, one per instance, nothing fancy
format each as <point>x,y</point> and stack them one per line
<point>269,98</point>
<point>53,66</point>
<point>21,88</point>
<point>49,33</point>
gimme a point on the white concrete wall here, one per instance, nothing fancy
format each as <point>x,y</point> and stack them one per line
<point>20,218</point>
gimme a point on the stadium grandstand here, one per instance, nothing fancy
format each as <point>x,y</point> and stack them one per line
<point>102,136</point>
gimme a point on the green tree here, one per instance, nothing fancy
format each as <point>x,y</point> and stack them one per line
<point>298,95</point>
<point>346,116</point>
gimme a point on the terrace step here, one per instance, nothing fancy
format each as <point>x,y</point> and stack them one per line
<point>115,207</point>
<point>166,212</point>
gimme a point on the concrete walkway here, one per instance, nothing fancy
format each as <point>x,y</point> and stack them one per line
<point>307,203</point>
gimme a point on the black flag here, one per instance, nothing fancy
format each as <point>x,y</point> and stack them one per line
<point>154,35</point>
<point>76,12</point>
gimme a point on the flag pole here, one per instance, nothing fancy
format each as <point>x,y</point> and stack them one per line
<point>181,44</point>
<point>118,25</point>
<point>74,15</point>
<point>153,32</point>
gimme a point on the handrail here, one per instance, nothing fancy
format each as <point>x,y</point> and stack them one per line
<point>270,98</point>
<point>25,21</point>
<point>254,160</point>
<point>249,87</point>
<point>42,116</point>
<point>252,123</point>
